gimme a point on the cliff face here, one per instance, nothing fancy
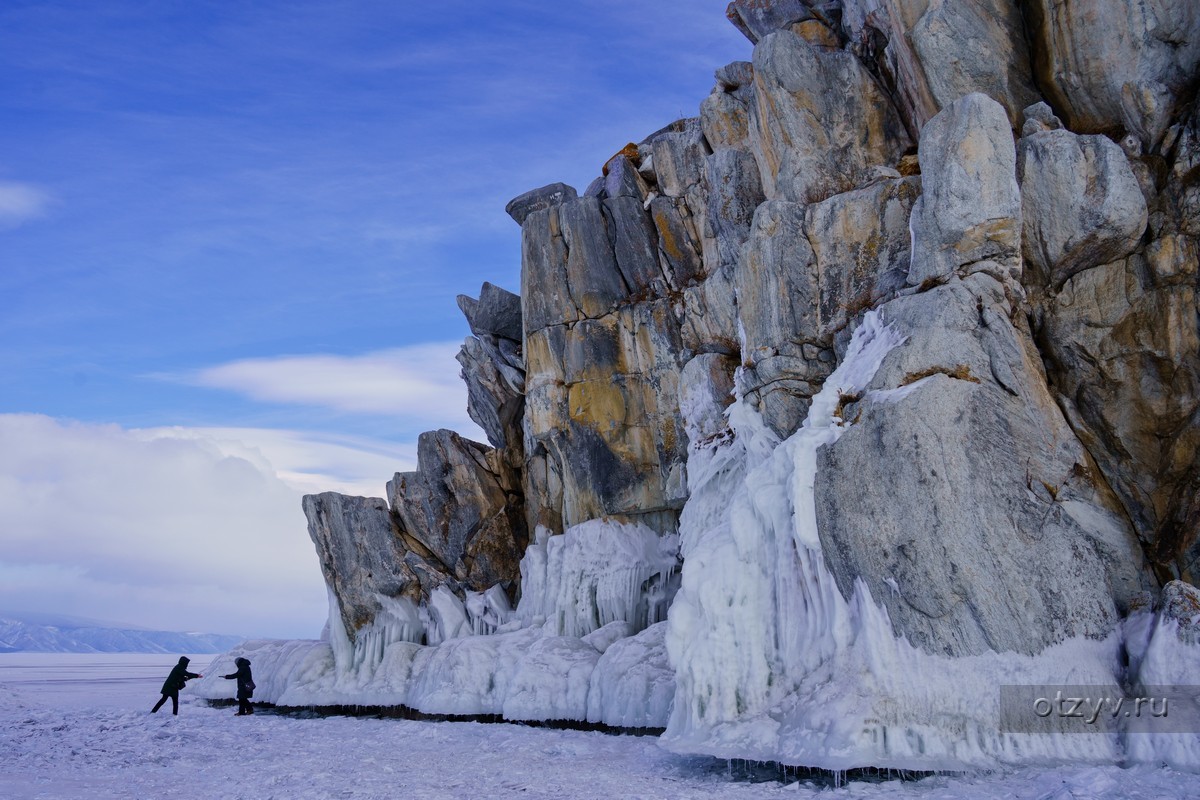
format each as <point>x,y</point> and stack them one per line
<point>944,255</point>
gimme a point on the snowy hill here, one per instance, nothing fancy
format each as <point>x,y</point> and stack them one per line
<point>36,634</point>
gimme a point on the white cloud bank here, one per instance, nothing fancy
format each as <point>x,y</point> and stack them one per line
<point>174,529</point>
<point>419,383</point>
<point>310,463</point>
<point>20,203</point>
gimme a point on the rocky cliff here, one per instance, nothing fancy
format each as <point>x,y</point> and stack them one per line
<point>893,348</point>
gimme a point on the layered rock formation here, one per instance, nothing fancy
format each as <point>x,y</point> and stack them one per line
<point>944,256</point>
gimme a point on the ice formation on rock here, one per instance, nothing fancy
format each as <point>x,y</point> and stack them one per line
<point>585,644</point>
<point>772,662</point>
<point>1017,481</point>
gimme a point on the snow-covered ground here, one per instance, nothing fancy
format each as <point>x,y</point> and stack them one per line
<point>79,727</point>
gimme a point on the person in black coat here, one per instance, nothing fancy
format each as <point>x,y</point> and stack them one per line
<point>245,685</point>
<point>175,681</point>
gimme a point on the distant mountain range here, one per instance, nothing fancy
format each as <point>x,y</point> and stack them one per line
<point>35,633</point>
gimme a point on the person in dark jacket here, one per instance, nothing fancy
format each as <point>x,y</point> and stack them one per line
<point>175,681</point>
<point>245,685</point>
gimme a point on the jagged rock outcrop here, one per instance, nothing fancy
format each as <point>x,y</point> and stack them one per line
<point>1082,204</point>
<point>361,552</point>
<point>969,212</point>
<point>461,509</point>
<point>899,336</point>
<point>493,367</point>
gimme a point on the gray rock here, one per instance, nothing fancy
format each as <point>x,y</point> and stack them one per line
<point>688,127</point>
<point>819,121</point>
<point>592,272</point>
<point>708,318</point>
<point>931,53</point>
<point>860,242</point>
<point>621,179</point>
<point>679,246</point>
<point>725,117</point>
<point>758,18</point>
<point>497,312</point>
<point>735,191</point>
<point>777,284</point>
<point>464,508</point>
<point>495,394</point>
<point>467,305</point>
<point>634,242</point>
<point>678,162</point>
<point>1082,205</point>
<point>982,512</point>
<point>1123,355</point>
<point>546,298</point>
<point>1183,185</point>
<point>569,270</point>
<point>545,197</point>
<point>1040,117</point>
<point>601,419</point>
<point>1115,64</point>
<point>735,75</point>
<point>361,552</point>
<point>970,46</point>
<point>970,207</point>
<point>777,302</point>
<point>596,188</point>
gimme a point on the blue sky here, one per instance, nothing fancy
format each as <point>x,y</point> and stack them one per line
<point>231,234</point>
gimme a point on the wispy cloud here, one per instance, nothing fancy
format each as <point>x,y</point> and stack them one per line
<point>21,202</point>
<point>419,383</point>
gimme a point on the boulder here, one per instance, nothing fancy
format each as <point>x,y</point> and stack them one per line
<point>498,313</point>
<point>735,75</point>
<point>621,179</point>
<point>1081,203</point>
<point>969,214</point>
<point>545,197</point>
<point>1040,117</point>
<point>759,18</point>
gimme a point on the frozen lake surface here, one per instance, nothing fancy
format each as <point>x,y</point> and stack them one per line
<point>78,726</point>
